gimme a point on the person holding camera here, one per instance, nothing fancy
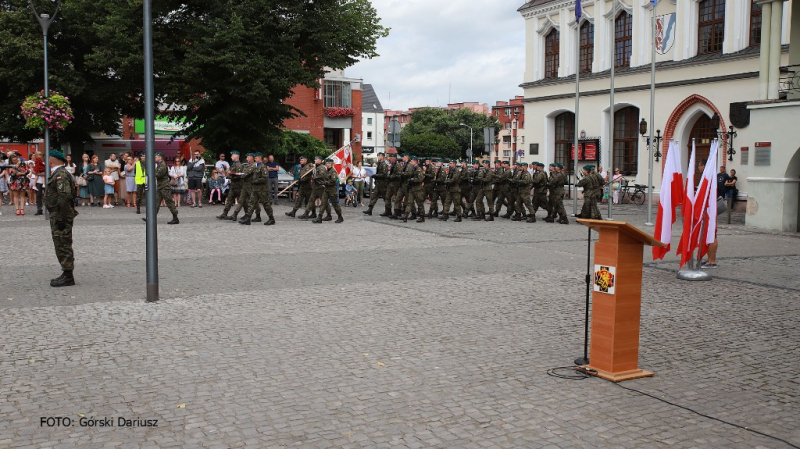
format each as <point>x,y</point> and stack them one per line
<point>58,198</point>
<point>195,170</point>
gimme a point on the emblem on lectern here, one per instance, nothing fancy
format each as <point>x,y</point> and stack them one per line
<point>604,279</point>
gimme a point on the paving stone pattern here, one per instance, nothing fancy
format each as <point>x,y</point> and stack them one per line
<point>382,334</point>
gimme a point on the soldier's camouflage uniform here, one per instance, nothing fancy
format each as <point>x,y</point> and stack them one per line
<point>439,191</point>
<point>589,209</point>
<point>453,183</point>
<point>304,187</point>
<point>466,189</point>
<point>402,190</point>
<point>330,195</point>
<point>319,176</point>
<point>395,179</point>
<point>522,201</point>
<point>164,192</point>
<point>502,190</point>
<point>483,185</point>
<point>235,191</point>
<point>539,183</point>
<point>381,179</point>
<point>259,192</point>
<point>430,172</point>
<point>58,198</point>
<point>247,191</point>
<point>556,187</point>
<point>416,192</point>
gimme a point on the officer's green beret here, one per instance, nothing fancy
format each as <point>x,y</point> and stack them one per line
<point>534,163</point>
<point>404,155</point>
<point>249,155</point>
<point>559,166</point>
<point>304,157</point>
<point>522,164</point>
<point>485,161</point>
<point>541,164</point>
<point>234,152</point>
<point>258,154</point>
<point>58,155</point>
<point>328,160</point>
<point>413,158</point>
<point>475,161</point>
<point>553,164</point>
<point>588,167</point>
<point>319,157</point>
<point>158,153</point>
<point>381,154</point>
<point>392,154</point>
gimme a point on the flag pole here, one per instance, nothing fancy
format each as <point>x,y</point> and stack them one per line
<point>577,103</point>
<point>651,145</point>
<point>611,108</point>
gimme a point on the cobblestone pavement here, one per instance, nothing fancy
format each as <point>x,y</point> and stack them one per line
<point>376,333</point>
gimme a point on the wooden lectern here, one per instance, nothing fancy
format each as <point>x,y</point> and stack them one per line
<point>617,299</point>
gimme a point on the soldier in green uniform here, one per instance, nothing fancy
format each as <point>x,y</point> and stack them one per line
<point>330,194</point>
<point>466,186</point>
<point>599,183</point>
<point>539,183</point>
<point>483,185</point>
<point>259,193</point>
<point>513,190</point>
<point>416,192</point>
<point>58,199</point>
<point>402,189</point>
<point>439,188</point>
<point>522,182</point>
<point>453,182</point>
<point>164,190</point>
<point>380,178</point>
<point>304,186</point>
<point>318,181</point>
<point>556,185</point>
<point>395,179</point>
<point>500,177</point>
<point>505,194</point>
<point>588,183</point>
<point>472,190</point>
<point>247,188</point>
<point>429,168</point>
<point>235,190</point>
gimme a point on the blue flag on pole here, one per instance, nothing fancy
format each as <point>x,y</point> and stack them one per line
<point>654,2</point>
<point>578,12</point>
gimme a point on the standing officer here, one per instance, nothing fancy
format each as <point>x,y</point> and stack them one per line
<point>330,193</point>
<point>247,187</point>
<point>402,190</point>
<point>416,192</point>
<point>395,179</point>
<point>381,178</point>
<point>483,185</point>
<point>140,175</point>
<point>164,190</point>
<point>318,180</point>
<point>58,198</point>
<point>259,193</point>
<point>439,188</point>
<point>453,182</point>
<point>235,191</point>
<point>539,182</point>
<point>304,186</point>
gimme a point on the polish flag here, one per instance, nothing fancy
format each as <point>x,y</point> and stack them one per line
<point>669,199</point>
<point>687,211</point>
<point>708,211</point>
<point>343,162</point>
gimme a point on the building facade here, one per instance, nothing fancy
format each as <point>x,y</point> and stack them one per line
<point>510,141</point>
<point>372,121</point>
<point>715,59</point>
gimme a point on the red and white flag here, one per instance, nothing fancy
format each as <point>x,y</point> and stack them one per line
<point>670,197</point>
<point>343,162</point>
<point>685,248</point>
<point>707,211</point>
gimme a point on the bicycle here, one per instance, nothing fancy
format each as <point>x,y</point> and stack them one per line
<point>635,194</point>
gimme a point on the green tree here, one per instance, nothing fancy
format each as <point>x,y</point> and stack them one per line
<point>225,67</point>
<point>430,144</point>
<point>291,142</point>
<point>447,123</point>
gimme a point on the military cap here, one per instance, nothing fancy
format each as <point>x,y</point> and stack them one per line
<point>445,160</point>
<point>234,152</point>
<point>258,154</point>
<point>553,164</point>
<point>248,155</point>
<point>403,154</point>
<point>58,155</point>
<point>304,157</point>
<point>414,158</point>
<point>588,167</point>
<point>475,161</point>
<point>523,164</point>
<point>381,154</point>
<point>540,164</point>
<point>534,163</point>
<point>392,154</point>
<point>485,161</point>
<point>328,160</point>
<point>559,166</point>
<point>319,157</point>
<point>158,153</point>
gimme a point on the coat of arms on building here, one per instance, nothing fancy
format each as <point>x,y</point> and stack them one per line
<point>665,33</point>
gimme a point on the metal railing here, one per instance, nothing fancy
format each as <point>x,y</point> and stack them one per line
<point>790,79</point>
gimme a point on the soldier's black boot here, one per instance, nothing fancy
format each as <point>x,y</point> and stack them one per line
<point>430,213</point>
<point>444,216</point>
<point>549,219</point>
<point>458,219</point>
<point>339,218</point>
<point>507,215</point>
<point>138,211</point>
<point>413,216</point>
<point>563,220</point>
<point>327,217</point>
<point>223,216</point>
<point>257,219</point>
<point>245,220</point>
<point>304,216</point>
<point>478,217</point>
<point>531,219</point>
<point>314,214</point>
<point>516,217</point>
<point>292,213</point>
<point>405,218</point>
<point>317,220</point>
<point>490,217</point>
<point>386,212</point>
<point>174,219</point>
<point>421,219</point>
<point>369,210</point>
<point>270,222</point>
<point>497,213</point>
<point>65,280</point>
<point>232,217</point>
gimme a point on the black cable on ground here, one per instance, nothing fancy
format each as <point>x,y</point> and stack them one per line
<point>582,373</point>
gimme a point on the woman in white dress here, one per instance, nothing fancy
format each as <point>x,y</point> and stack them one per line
<point>177,175</point>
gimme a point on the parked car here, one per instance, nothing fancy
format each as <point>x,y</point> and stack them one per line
<point>284,179</point>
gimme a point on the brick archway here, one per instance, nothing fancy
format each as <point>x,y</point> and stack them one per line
<point>675,117</point>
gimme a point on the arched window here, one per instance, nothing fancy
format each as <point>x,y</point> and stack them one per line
<point>587,47</point>
<point>564,139</point>
<point>623,35</point>
<point>711,27</point>
<point>551,54</point>
<point>755,24</point>
<point>703,132</point>
<point>626,140</point>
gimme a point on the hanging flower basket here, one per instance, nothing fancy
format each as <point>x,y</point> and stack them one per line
<point>53,112</point>
<point>339,112</point>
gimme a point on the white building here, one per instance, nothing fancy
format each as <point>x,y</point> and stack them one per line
<point>725,57</point>
<point>372,133</point>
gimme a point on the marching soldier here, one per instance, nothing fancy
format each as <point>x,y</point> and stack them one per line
<point>513,190</point>
<point>439,188</point>
<point>259,193</point>
<point>430,172</point>
<point>539,182</point>
<point>304,186</point>
<point>318,180</point>
<point>330,194</point>
<point>381,178</point>
<point>473,189</point>
<point>502,180</point>
<point>589,209</point>
<point>402,191</point>
<point>522,182</point>
<point>466,187</point>
<point>164,190</point>
<point>556,186</point>
<point>395,179</point>
<point>453,182</point>
<point>416,192</point>
<point>58,198</point>
<point>247,188</point>
<point>483,186</point>
<point>235,191</point>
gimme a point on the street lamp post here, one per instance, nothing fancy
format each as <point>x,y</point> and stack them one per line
<point>470,141</point>
<point>151,232</point>
<point>729,135</point>
<point>45,20</point>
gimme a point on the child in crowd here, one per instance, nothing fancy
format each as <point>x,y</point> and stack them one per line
<point>351,192</point>
<point>108,186</point>
<point>215,185</point>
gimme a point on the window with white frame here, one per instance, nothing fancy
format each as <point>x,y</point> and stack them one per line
<point>369,120</point>
<point>338,94</point>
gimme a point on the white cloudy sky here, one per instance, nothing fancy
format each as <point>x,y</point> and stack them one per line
<point>475,46</point>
